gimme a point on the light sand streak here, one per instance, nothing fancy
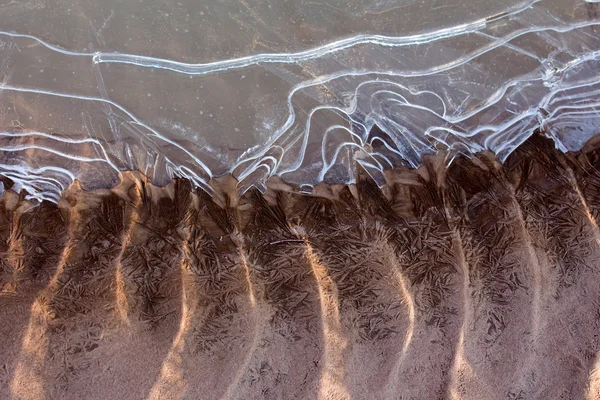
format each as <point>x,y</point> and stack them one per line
<point>171,383</point>
<point>461,369</point>
<point>332,378</point>
<point>409,302</point>
<point>27,381</point>
<point>121,298</point>
<point>536,269</point>
<point>575,185</point>
<point>593,392</point>
<point>257,324</point>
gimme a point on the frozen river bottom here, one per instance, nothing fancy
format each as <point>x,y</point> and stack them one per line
<point>476,281</point>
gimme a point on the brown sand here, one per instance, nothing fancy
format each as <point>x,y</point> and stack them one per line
<point>479,281</point>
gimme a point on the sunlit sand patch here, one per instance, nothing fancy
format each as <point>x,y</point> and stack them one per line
<point>257,325</point>
<point>120,297</point>
<point>408,301</point>
<point>27,381</point>
<point>575,185</point>
<point>535,267</point>
<point>332,378</point>
<point>593,390</point>
<point>461,369</point>
<point>410,306</point>
<point>538,282</point>
<point>244,263</point>
<point>171,383</point>
<point>129,181</point>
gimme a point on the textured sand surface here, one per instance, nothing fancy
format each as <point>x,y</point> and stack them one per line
<point>480,281</point>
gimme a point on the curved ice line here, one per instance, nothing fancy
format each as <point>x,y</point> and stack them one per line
<point>410,142</point>
<point>306,134</point>
<point>574,113</point>
<point>500,127</point>
<point>135,120</point>
<point>261,165</point>
<point>364,162</point>
<point>280,58</point>
<point>499,95</point>
<point>51,197</point>
<point>487,127</point>
<point>327,165</point>
<point>285,58</point>
<point>501,92</point>
<point>390,148</point>
<point>18,177</point>
<point>371,155</point>
<point>306,130</point>
<point>547,99</point>
<point>456,63</point>
<point>50,150</point>
<point>573,98</point>
<point>413,92</point>
<point>63,140</point>
<point>257,161</point>
<point>274,160</point>
<point>332,128</point>
<point>451,130</point>
<point>270,158</point>
<point>352,121</point>
<point>41,169</point>
<point>384,158</point>
<point>264,163</point>
<point>192,177</point>
<point>512,47</point>
<point>54,188</point>
<point>26,184</point>
<point>593,105</point>
<point>349,111</point>
<point>49,46</point>
<point>46,179</point>
<point>493,137</point>
<point>410,105</point>
<point>290,58</point>
<point>49,136</point>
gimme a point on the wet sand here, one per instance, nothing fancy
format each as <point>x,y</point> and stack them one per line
<point>477,281</point>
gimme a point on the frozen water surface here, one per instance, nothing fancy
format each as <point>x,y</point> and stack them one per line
<point>297,88</point>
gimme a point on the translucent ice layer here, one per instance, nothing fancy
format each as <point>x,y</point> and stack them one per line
<point>297,88</point>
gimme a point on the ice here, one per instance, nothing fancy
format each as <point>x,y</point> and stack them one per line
<point>301,89</point>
